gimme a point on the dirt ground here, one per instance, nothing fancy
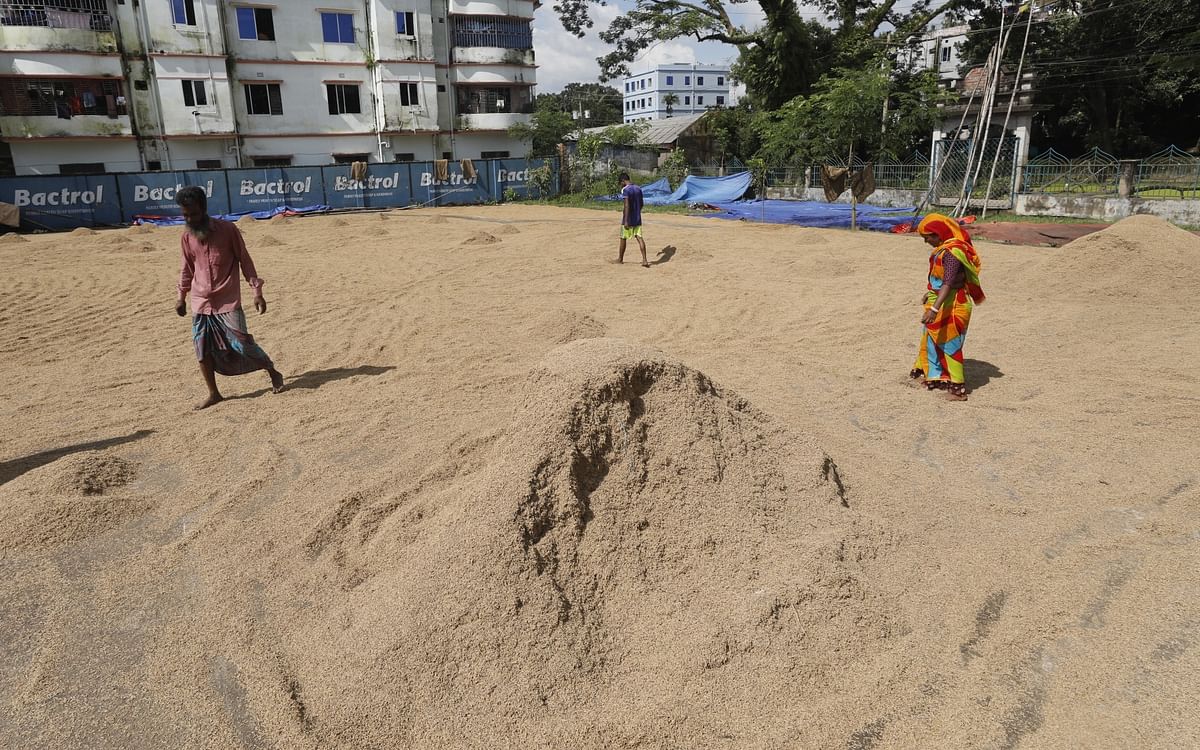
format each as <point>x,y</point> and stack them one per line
<point>517,496</point>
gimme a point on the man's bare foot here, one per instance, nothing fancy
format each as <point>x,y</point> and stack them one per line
<point>615,262</point>
<point>276,381</point>
<point>645,265</point>
<point>213,399</point>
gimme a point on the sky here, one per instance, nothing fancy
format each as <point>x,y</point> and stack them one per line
<point>562,58</point>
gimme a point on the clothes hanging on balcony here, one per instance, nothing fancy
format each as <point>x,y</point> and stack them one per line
<point>441,170</point>
<point>468,169</point>
<point>88,99</point>
<point>62,108</point>
<point>833,180</point>
<point>358,171</point>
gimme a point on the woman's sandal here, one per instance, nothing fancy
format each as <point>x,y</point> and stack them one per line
<point>957,391</point>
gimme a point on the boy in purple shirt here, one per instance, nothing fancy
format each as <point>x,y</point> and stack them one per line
<point>631,218</point>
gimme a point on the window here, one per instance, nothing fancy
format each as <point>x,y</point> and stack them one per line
<point>263,99</point>
<point>82,168</point>
<point>643,84</point>
<point>720,101</point>
<point>208,164</point>
<point>408,95</point>
<point>337,28</point>
<point>493,154</point>
<point>720,80</point>
<point>478,100</point>
<point>406,25</point>
<point>349,158</point>
<point>194,94</point>
<point>670,80</point>
<point>699,80</point>
<point>447,155</point>
<point>687,100</point>
<point>699,100</point>
<point>343,99</point>
<point>492,31</point>
<point>627,87</point>
<point>405,157</point>
<point>256,23</point>
<point>154,166</point>
<point>687,80</point>
<point>61,97</point>
<point>271,161</point>
<point>441,88</point>
<point>946,54</point>
<point>184,12</point>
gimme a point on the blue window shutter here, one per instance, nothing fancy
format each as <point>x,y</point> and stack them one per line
<point>329,27</point>
<point>346,27</point>
<point>245,21</point>
<point>400,26</point>
<point>178,11</point>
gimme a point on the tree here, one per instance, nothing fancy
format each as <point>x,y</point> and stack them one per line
<point>670,100</point>
<point>846,113</point>
<point>1124,77</point>
<point>553,116</point>
<point>603,104</point>
<point>547,127</point>
<point>781,58</point>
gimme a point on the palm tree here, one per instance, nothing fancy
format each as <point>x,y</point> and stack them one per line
<point>670,100</point>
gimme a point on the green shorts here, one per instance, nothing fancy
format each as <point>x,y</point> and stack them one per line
<point>629,232</point>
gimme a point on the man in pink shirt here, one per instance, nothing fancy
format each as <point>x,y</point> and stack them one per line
<point>213,251</point>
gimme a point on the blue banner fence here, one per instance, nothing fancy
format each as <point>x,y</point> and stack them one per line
<point>66,202</point>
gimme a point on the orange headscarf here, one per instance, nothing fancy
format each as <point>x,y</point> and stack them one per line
<point>945,228</point>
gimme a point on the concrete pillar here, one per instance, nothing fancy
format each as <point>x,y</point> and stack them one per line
<point>1127,178</point>
<point>1021,133</point>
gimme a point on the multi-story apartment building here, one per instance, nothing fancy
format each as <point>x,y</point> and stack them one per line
<point>675,89</point>
<point>129,85</point>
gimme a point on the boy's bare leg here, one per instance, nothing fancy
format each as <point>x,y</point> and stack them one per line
<point>642,245</point>
<point>621,251</point>
<point>210,380</point>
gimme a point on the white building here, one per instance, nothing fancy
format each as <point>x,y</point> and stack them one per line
<point>111,85</point>
<point>675,89</point>
<point>938,50</point>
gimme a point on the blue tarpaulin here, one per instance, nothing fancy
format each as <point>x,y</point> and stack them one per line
<point>168,221</point>
<point>707,190</point>
<point>693,190</point>
<point>813,214</point>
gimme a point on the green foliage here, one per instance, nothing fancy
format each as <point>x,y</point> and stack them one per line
<point>541,180</point>
<point>675,167</point>
<point>510,195</point>
<point>846,110</point>
<point>1124,77</point>
<point>546,130</point>
<point>603,103</point>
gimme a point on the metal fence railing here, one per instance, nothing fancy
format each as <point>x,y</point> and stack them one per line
<point>909,174</point>
<point>1094,173</point>
<point>1171,173</point>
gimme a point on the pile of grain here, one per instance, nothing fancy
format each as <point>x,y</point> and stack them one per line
<point>1139,257</point>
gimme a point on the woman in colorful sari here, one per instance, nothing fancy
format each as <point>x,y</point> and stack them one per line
<point>952,292</point>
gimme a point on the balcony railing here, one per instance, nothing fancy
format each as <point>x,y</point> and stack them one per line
<point>57,14</point>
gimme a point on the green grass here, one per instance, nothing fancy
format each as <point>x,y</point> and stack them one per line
<point>999,216</point>
<point>577,200</point>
